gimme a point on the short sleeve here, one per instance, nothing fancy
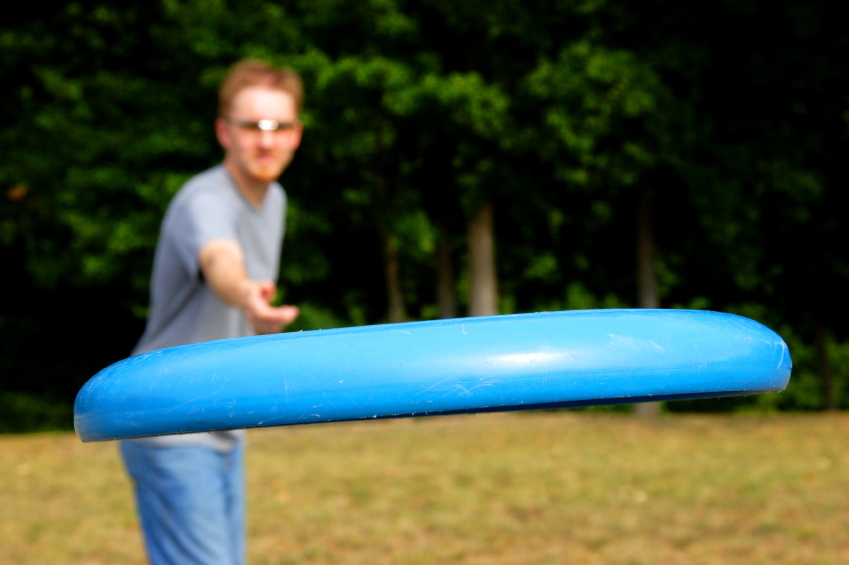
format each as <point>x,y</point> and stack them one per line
<point>201,217</point>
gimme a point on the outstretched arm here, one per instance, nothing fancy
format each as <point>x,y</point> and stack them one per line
<point>223,265</point>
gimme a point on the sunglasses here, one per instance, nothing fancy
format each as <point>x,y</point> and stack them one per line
<point>264,125</point>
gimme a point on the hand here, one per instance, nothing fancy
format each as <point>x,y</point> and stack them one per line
<point>262,316</point>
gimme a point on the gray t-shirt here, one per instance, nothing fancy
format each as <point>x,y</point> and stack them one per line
<point>183,309</point>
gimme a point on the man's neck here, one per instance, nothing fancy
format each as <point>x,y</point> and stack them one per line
<point>253,191</point>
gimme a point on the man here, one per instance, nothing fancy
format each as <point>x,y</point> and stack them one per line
<point>213,277</point>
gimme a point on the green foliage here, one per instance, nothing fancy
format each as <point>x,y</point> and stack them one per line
<point>589,94</point>
<point>27,413</point>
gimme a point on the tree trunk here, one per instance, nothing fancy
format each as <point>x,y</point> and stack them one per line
<point>395,296</point>
<point>445,295</point>
<point>823,364</point>
<point>483,285</point>
<point>647,296</point>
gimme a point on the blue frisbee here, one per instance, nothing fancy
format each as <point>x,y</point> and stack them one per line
<point>463,365</point>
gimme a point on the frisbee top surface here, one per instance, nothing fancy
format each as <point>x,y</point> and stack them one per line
<point>480,364</point>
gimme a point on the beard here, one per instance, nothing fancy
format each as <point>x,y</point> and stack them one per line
<point>268,167</point>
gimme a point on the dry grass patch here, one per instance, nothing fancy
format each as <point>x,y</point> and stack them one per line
<point>542,488</point>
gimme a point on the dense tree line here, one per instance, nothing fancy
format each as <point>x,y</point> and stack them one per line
<point>459,159</point>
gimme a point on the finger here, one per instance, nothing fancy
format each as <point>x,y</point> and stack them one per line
<point>266,326</point>
<point>272,315</point>
<point>267,290</point>
<point>292,313</point>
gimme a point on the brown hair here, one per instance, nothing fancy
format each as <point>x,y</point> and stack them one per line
<point>253,72</point>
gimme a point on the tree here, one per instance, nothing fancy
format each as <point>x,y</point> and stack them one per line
<point>537,125</point>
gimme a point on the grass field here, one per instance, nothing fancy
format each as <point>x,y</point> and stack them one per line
<point>538,488</point>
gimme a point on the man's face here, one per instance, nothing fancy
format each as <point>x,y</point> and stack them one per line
<point>260,134</point>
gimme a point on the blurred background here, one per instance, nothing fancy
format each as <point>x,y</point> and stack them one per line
<point>460,158</point>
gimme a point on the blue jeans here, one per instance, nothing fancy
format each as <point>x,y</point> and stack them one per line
<point>191,503</point>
